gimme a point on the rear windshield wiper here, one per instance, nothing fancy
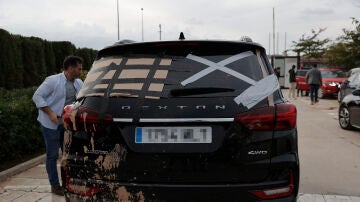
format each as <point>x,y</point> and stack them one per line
<point>198,91</point>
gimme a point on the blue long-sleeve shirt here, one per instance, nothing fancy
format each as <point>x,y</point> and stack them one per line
<point>52,93</point>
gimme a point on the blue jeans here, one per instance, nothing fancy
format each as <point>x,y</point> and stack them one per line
<point>314,88</point>
<point>52,144</point>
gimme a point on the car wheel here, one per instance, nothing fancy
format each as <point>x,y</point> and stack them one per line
<point>344,118</point>
<point>320,93</point>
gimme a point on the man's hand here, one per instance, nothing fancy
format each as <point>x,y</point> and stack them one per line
<point>52,115</point>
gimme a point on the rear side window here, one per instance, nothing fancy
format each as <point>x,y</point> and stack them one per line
<point>301,73</point>
<point>155,77</point>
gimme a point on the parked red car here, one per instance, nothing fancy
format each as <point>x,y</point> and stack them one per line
<point>301,81</point>
<point>331,80</point>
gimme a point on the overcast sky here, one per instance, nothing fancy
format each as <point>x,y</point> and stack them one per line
<point>93,23</point>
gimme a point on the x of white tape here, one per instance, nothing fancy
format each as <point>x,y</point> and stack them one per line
<point>218,66</point>
<point>252,95</point>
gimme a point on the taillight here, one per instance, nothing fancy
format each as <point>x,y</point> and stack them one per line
<point>257,119</point>
<point>280,117</point>
<point>285,116</point>
<point>276,192</point>
<point>84,119</point>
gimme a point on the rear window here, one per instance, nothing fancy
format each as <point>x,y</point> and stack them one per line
<point>333,74</point>
<point>355,78</point>
<point>154,77</point>
<point>301,73</point>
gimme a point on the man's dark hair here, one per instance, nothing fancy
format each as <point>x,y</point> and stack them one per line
<point>315,65</point>
<point>72,61</point>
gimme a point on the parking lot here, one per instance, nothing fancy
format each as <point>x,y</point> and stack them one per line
<point>329,155</point>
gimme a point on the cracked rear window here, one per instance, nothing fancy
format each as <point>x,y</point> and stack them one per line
<point>153,77</point>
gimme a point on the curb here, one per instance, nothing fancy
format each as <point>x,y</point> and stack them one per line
<point>22,167</point>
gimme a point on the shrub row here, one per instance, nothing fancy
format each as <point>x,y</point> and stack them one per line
<point>32,59</point>
<point>19,130</point>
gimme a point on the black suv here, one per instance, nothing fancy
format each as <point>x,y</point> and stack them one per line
<point>181,121</point>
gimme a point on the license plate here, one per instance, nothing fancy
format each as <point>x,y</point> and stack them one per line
<point>173,135</point>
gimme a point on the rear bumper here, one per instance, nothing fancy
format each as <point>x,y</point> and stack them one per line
<point>82,187</point>
<point>101,190</point>
<point>163,193</point>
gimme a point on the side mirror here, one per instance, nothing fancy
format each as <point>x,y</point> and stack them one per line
<point>356,92</point>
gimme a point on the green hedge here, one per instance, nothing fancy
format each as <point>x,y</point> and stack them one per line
<point>19,130</point>
<point>26,61</point>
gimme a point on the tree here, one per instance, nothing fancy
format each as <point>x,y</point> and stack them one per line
<point>49,58</point>
<point>88,55</point>
<point>10,66</point>
<point>26,61</point>
<point>33,60</point>
<point>61,50</point>
<point>311,46</point>
<point>346,51</point>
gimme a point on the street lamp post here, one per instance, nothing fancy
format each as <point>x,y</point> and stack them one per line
<point>142,24</point>
<point>160,31</point>
<point>117,6</point>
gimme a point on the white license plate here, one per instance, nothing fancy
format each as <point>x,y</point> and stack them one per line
<point>173,135</point>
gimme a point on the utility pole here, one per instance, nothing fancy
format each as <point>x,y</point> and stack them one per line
<point>285,51</point>
<point>160,31</point>
<point>273,56</point>
<point>277,43</point>
<point>269,50</point>
<point>117,6</point>
<point>142,24</point>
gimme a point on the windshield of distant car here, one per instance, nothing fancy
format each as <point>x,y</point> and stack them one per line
<point>301,72</point>
<point>333,74</point>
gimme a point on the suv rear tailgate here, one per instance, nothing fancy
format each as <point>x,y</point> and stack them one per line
<point>177,88</point>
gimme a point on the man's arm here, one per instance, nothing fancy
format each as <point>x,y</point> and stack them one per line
<point>52,115</point>
<point>39,96</point>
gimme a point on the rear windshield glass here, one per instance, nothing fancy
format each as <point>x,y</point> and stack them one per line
<point>333,74</point>
<point>154,77</point>
<point>355,78</point>
<point>301,73</point>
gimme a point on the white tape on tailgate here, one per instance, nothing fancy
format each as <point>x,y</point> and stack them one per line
<point>252,95</point>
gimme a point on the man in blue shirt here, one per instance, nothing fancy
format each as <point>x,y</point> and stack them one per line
<point>50,98</point>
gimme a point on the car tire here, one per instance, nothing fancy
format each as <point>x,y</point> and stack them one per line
<point>344,118</point>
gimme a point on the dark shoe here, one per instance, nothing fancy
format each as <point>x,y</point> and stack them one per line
<point>57,190</point>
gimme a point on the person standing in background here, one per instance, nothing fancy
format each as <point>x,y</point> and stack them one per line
<point>314,79</point>
<point>50,98</point>
<point>292,80</point>
<point>277,72</point>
